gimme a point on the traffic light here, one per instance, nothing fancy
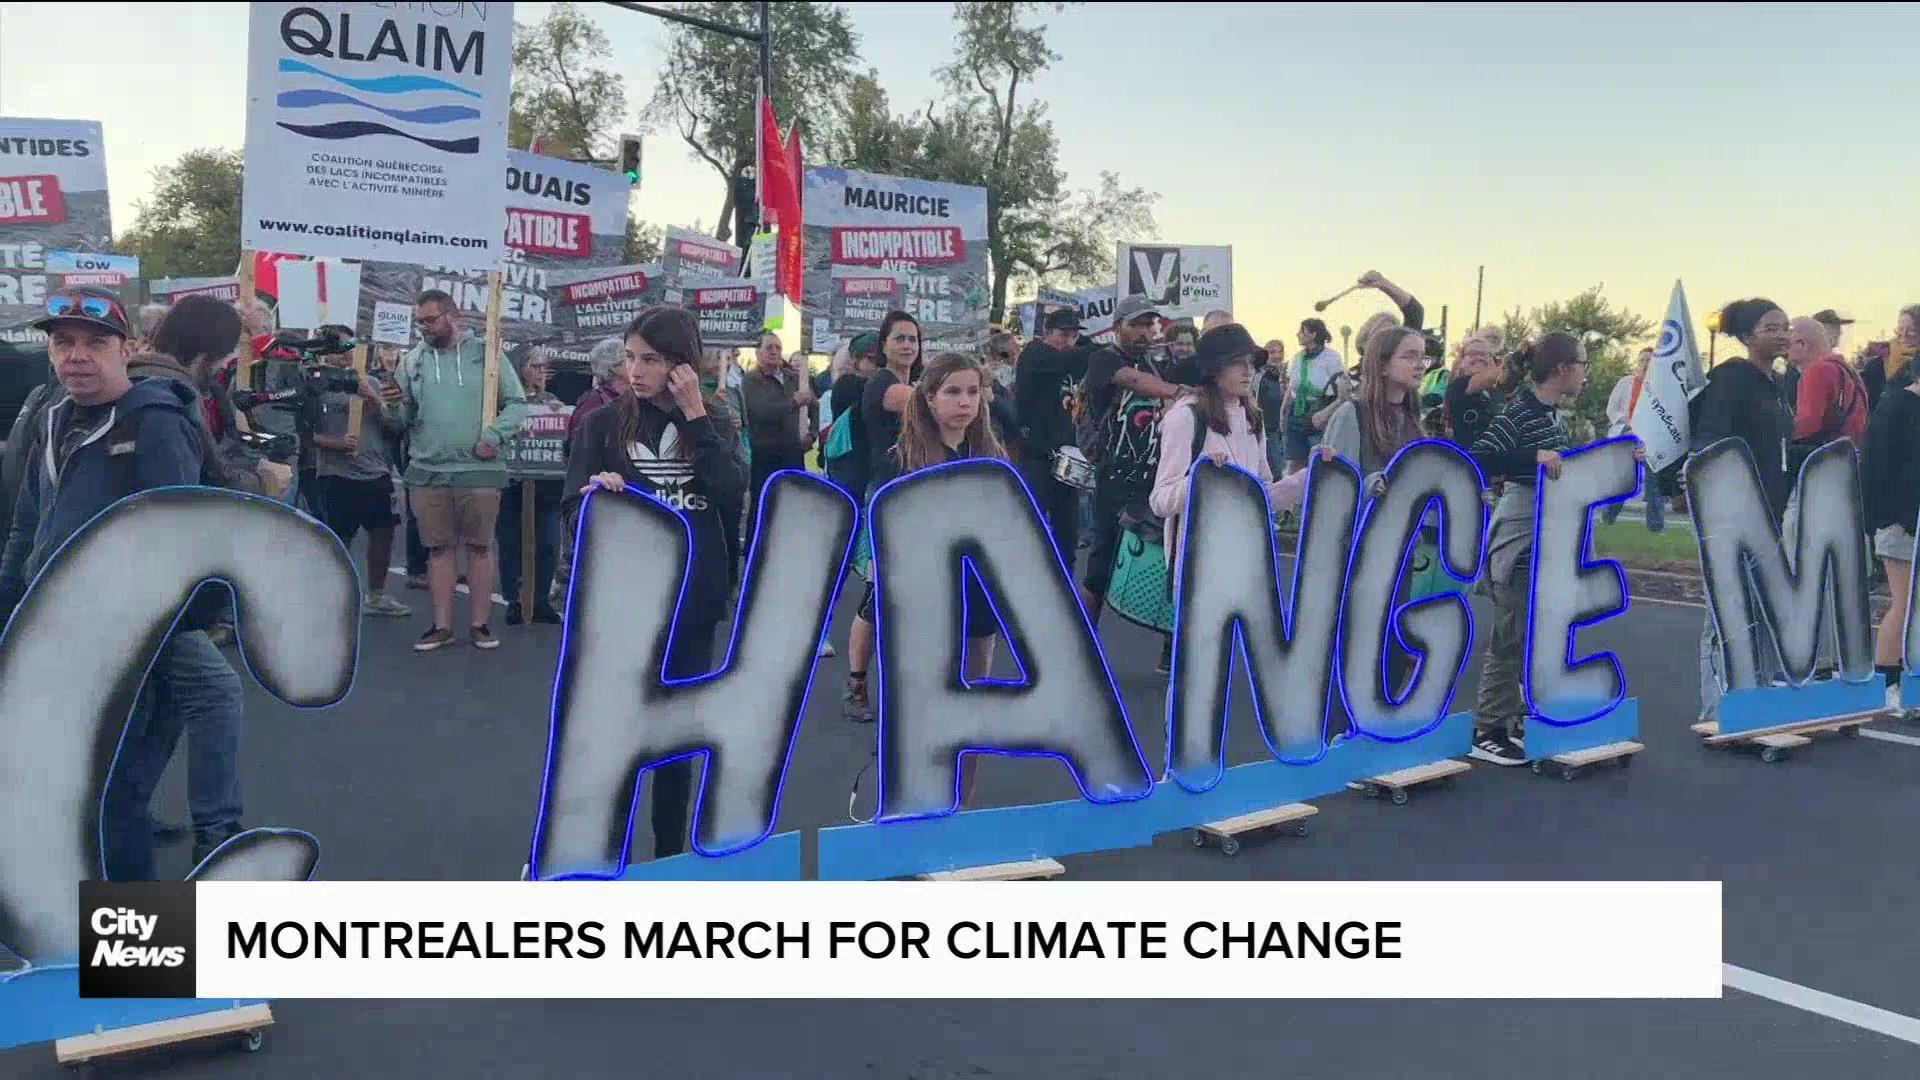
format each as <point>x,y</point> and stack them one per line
<point>630,158</point>
<point>746,209</point>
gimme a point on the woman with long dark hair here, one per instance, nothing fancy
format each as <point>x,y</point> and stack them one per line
<point>884,403</point>
<point>1743,400</point>
<point>660,439</point>
<point>946,420</point>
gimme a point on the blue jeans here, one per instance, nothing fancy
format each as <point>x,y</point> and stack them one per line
<point>194,683</point>
<point>193,689</point>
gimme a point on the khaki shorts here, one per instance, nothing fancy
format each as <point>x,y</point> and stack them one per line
<point>1893,542</point>
<point>455,516</point>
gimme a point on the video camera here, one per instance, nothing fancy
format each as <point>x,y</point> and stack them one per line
<point>316,377</point>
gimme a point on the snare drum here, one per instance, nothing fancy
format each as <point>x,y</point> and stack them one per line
<point>1071,467</point>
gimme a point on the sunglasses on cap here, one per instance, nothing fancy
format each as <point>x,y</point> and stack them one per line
<point>93,307</point>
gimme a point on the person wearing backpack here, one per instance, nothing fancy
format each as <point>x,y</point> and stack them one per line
<point>107,435</point>
<point>1830,400</point>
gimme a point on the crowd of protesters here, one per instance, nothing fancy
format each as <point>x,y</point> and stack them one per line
<point>1103,433</point>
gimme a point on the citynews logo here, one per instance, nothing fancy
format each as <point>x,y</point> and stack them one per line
<point>136,939</point>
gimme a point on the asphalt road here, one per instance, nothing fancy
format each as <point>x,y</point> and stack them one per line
<point>430,770</point>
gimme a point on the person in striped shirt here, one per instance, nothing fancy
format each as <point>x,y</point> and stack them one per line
<point>1526,438</point>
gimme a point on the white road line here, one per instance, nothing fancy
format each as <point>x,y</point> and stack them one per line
<point>498,600</point>
<point>1888,736</point>
<point>1833,1007</point>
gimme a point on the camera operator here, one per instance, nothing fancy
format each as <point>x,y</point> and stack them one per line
<point>353,477</point>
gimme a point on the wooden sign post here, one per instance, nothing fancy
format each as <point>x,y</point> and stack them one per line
<point>490,378</point>
<point>356,408</point>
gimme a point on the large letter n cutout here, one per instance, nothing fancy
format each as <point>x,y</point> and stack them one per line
<point>931,529</point>
<point>613,714</point>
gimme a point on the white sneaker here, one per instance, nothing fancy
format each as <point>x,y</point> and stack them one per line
<point>1893,698</point>
<point>826,652</point>
<point>382,604</point>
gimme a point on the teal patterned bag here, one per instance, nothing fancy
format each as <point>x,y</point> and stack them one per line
<point>1141,589</point>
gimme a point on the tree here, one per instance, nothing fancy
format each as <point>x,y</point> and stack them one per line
<point>560,92</point>
<point>1608,333</point>
<point>708,88</point>
<point>1077,243</point>
<point>645,243</point>
<point>190,225</point>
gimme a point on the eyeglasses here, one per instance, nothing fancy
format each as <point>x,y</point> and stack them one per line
<point>94,307</point>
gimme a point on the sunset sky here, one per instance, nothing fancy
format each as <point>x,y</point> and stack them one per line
<point>1746,150</point>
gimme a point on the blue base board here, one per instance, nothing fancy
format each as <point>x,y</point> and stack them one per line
<point>1545,739</point>
<point>44,1006</point>
<point>1910,691</point>
<point>777,858</point>
<point>1773,706</point>
<point>1046,830</point>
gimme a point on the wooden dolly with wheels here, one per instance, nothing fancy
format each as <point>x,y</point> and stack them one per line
<point>1030,870</point>
<point>1775,743</point>
<point>249,1022</point>
<point>1570,765</point>
<point>1394,785</point>
<point>1229,831</point>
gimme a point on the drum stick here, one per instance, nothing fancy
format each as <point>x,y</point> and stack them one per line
<point>1322,305</point>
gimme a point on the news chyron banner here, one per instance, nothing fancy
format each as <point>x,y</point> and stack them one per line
<point>592,304</point>
<point>562,218</point>
<point>818,939</point>
<point>691,256</point>
<point>730,311</point>
<point>374,131</point>
<point>933,234</point>
<point>53,197</point>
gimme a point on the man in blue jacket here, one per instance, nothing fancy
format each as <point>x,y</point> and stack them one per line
<point>106,437</point>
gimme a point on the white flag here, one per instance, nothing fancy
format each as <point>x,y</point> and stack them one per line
<point>1660,414</point>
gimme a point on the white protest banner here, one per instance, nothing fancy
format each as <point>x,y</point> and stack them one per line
<point>1660,416</point>
<point>53,195</point>
<point>934,234</point>
<point>392,323</point>
<point>690,256</point>
<point>317,292</point>
<point>378,131</point>
<point>730,311</point>
<point>824,338</point>
<point>1184,280</point>
<point>760,260</point>
<point>1094,306</point>
<point>563,218</point>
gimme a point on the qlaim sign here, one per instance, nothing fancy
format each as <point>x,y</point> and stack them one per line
<point>53,196</point>
<point>562,218</point>
<point>376,131</point>
<point>933,235</point>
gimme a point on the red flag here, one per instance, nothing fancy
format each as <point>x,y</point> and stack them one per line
<point>789,270</point>
<point>776,179</point>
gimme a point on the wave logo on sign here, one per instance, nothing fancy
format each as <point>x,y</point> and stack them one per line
<point>387,88</point>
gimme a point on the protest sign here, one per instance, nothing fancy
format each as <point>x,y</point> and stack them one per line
<point>862,298</point>
<point>1094,306</point>
<point>119,274</point>
<point>934,234</point>
<point>171,291</point>
<point>690,256</point>
<point>53,196</point>
<point>596,304</point>
<point>1186,281</point>
<point>562,217</point>
<point>377,132</point>
<point>392,324</point>
<point>316,292</point>
<point>730,311</point>
<point>539,450</point>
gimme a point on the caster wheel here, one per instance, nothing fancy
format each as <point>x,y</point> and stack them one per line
<point>1199,840</point>
<point>1300,828</point>
<point>1626,761</point>
<point>252,1041</point>
<point>1569,773</point>
<point>1230,847</point>
<point>1399,798</point>
<point>1852,731</point>
<point>1771,754</point>
<point>1539,767</point>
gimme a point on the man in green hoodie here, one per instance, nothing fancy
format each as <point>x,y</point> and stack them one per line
<point>456,473</point>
